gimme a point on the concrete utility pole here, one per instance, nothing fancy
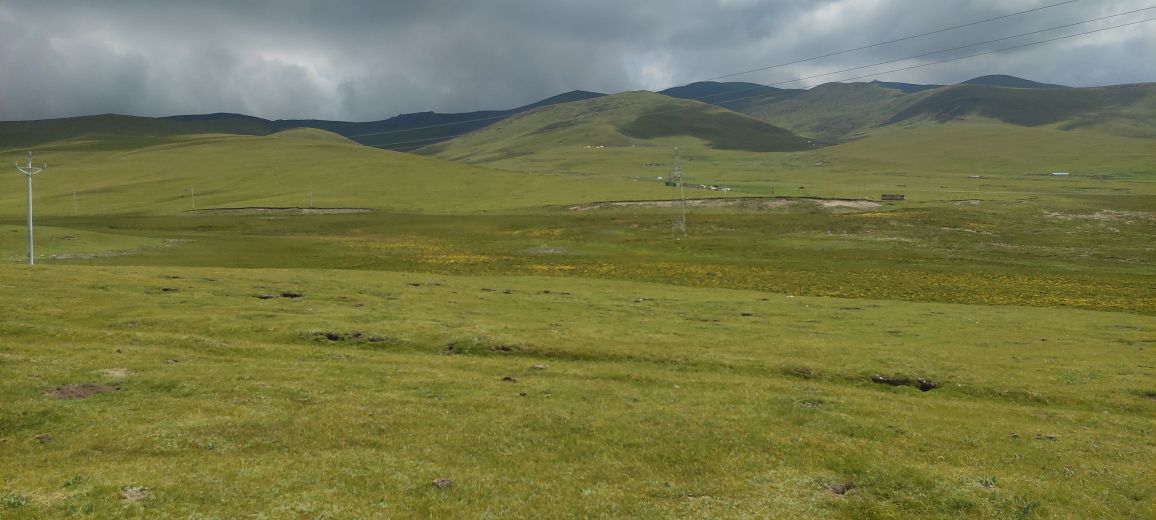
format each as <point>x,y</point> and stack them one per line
<point>679,222</point>
<point>29,170</point>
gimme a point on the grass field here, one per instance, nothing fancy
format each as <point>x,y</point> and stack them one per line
<point>649,400</point>
<point>985,349</point>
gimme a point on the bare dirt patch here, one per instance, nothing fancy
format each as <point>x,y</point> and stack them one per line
<point>117,373</point>
<point>759,203</point>
<point>134,493</point>
<point>1100,216</point>
<point>847,204</point>
<point>280,211</point>
<point>80,391</point>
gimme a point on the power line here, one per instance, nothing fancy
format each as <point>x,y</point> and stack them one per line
<point>837,53</point>
<point>874,74</point>
<point>924,55</point>
<point>921,65</point>
<point>897,40</point>
<point>948,60</point>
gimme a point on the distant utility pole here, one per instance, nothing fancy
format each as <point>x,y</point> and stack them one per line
<point>29,170</point>
<point>679,223</point>
<point>193,195</point>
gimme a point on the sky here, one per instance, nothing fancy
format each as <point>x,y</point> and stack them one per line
<point>365,60</point>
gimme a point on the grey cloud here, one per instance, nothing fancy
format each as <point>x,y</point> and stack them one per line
<point>365,60</point>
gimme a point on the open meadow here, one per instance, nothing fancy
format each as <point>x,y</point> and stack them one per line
<point>341,332</point>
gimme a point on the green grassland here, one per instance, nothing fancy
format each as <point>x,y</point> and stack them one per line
<point>112,176</point>
<point>927,161</point>
<point>650,400</point>
<point>484,320</point>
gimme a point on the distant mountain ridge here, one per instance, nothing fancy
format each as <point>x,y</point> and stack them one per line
<point>841,111</point>
<point>831,112</point>
<point>405,132</point>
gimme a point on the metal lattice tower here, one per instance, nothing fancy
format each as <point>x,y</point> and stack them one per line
<point>29,170</point>
<point>678,225</point>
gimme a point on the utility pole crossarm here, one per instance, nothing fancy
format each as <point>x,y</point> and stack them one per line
<point>30,169</point>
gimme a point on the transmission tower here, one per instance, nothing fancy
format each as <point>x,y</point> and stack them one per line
<point>679,223</point>
<point>29,170</point>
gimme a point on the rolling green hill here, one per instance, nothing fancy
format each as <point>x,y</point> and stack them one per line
<point>405,132</point>
<point>125,131</point>
<point>1126,110</point>
<point>287,169</point>
<point>622,120</point>
<point>832,111</point>
<point>1000,80</point>
<point>735,96</point>
<point>841,111</point>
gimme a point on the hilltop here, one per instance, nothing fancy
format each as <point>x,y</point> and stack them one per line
<point>1001,80</point>
<point>737,96</point>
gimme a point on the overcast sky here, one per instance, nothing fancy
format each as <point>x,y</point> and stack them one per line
<point>372,59</point>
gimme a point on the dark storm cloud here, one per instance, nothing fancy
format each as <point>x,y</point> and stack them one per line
<point>365,60</point>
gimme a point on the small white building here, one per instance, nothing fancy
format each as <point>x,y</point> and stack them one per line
<point>1061,174</point>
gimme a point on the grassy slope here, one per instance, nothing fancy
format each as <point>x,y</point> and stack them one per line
<point>281,170</point>
<point>928,161</point>
<point>124,131</point>
<point>654,401</point>
<point>737,96</point>
<point>838,111</point>
<point>313,134</point>
<point>999,80</point>
<point>630,119</point>
<point>1125,110</point>
<point>832,111</point>
<point>405,132</point>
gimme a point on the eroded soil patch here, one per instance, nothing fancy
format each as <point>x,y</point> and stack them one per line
<point>80,391</point>
<point>924,385</point>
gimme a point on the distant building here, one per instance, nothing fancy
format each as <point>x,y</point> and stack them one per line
<point>1061,174</point>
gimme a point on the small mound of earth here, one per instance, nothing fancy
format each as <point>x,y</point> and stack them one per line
<point>841,488</point>
<point>80,391</point>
